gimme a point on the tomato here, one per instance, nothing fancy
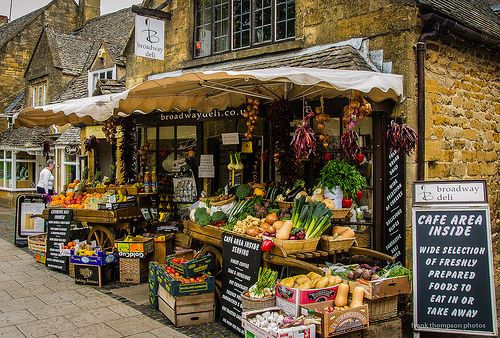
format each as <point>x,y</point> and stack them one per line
<point>192,280</point>
<point>177,275</point>
<point>175,260</point>
<point>346,202</point>
<point>359,195</point>
<point>199,279</point>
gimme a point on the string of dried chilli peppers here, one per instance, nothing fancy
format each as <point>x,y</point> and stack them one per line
<point>304,139</point>
<point>402,138</point>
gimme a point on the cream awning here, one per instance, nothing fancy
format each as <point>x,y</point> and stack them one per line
<point>206,90</point>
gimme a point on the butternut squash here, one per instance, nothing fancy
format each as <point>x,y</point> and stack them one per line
<point>357,296</point>
<point>278,224</point>
<point>348,233</point>
<point>342,293</point>
<point>284,231</point>
<point>338,230</point>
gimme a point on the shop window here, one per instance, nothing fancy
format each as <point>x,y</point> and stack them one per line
<point>70,169</point>
<point>39,94</point>
<point>222,25</point>
<point>105,74</point>
<point>6,169</point>
<point>25,171</point>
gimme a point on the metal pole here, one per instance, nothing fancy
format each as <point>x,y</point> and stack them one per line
<point>10,11</point>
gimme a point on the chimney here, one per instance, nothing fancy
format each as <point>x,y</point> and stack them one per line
<point>88,9</point>
<point>3,19</point>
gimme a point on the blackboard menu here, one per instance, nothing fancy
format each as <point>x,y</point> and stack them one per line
<point>394,215</point>
<point>453,286</point>
<point>241,258</point>
<point>58,226</point>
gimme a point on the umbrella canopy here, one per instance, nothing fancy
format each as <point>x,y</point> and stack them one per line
<point>87,111</point>
<point>207,90</point>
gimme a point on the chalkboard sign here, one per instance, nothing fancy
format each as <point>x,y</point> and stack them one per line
<point>241,258</point>
<point>27,222</point>
<point>58,227</point>
<point>453,282</point>
<point>394,211</point>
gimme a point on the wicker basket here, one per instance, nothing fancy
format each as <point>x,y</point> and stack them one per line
<point>284,205</point>
<point>134,270</point>
<point>250,304</point>
<point>100,190</point>
<point>37,242</point>
<point>90,190</point>
<point>340,213</point>
<point>383,308</point>
<point>363,238</point>
<point>300,245</point>
<point>132,190</point>
<point>332,245</point>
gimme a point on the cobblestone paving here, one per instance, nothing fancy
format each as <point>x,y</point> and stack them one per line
<point>106,320</point>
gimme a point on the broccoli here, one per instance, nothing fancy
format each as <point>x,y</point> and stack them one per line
<point>201,216</point>
<point>218,216</point>
<point>243,191</point>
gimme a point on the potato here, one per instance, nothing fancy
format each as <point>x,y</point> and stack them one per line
<point>287,282</point>
<point>321,283</point>
<point>313,275</point>
<point>332,281</point>
<point>306,285</point>
<point>338,279</point>
<point>302,279</point>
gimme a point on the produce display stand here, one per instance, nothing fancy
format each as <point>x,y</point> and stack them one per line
<point>212,236</point>
<point>104,224</point>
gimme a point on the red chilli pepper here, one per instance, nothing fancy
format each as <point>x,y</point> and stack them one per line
<point>267,245</point>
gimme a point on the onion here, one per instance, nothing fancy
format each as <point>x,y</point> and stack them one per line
<point>271,218</point>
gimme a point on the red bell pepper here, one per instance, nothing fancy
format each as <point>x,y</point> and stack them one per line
<point>267,245</point>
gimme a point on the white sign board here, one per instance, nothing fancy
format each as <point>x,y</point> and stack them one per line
<point>206,171</point>
<point>149,37</point>
<point>449,192</point>
<point>230,138</point>
<point>206,160</point>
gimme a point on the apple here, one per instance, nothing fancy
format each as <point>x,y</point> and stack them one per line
<point>346,202</point>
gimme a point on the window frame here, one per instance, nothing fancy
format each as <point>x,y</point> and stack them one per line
<point>13,169</point>
<point>231,31</point>
<point>90,83</point>
<point>36,88</point>
<point>64,163</point>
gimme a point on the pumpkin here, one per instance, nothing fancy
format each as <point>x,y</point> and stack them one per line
<point>357,296</point>
<point>342,293</point>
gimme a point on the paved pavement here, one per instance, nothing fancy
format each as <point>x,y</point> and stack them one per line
<point>40,302</point>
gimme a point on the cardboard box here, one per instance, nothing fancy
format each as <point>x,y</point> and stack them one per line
<point>102,258</point>
<point>93,274</point>
<point>138,248</point>
<point>176,288</point>
<point>383,288</point>
<point>338,322</point>
<point>187,310</point>
<point>290,299</point>
<point>253,331</point>
<point>194,266</point>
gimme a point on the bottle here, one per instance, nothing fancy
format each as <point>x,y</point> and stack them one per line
<point>147,182</point>
<point>154,183</point>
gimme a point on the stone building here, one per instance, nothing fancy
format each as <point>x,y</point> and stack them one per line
<point>460,105</point>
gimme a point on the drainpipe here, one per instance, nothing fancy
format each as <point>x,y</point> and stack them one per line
<point>421,49</point>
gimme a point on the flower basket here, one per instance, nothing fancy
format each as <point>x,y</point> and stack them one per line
<point>250,303</point>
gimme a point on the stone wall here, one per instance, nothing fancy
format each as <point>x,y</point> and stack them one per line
<point>62,16</point>
<point>463,121</point>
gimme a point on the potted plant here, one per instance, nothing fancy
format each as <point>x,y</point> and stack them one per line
<point>343,180</point>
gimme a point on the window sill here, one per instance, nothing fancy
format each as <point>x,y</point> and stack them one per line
<point>243,54</point>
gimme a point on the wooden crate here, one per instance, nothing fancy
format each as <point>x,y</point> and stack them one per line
<point>134,270</point>
<point>385,287</point>
<point>187,310</point>
<point>37,242</point>
<point>163,248</point>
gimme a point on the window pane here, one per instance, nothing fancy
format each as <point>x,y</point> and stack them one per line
<point>263,14</point>
<point>70,171</point>
<point>8,174</point>
<point>221,25</point>
<point>25,175</point>
<point>2,164</point>
<point>102,75</point>
<point>8,154</point>
<point>241,23</point>
<point>285,19</point>
<point>109,74</point>
<point>203,29</point>
<point>22,155</point>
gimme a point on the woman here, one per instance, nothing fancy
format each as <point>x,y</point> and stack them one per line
<point>46,182</point>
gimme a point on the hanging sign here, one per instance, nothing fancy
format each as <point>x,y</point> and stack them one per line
<point>58,226</point>
<point>72,150</point>
<point>446,192</point>
<point>230,138</point>
<point>240,268</point>
<point>394,212</point>
<point>149,37</point>
<point>452,264</point>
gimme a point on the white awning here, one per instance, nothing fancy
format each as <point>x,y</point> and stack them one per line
<point>206,90</point>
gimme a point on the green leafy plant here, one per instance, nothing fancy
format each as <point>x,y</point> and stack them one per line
<point>344,175</point>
